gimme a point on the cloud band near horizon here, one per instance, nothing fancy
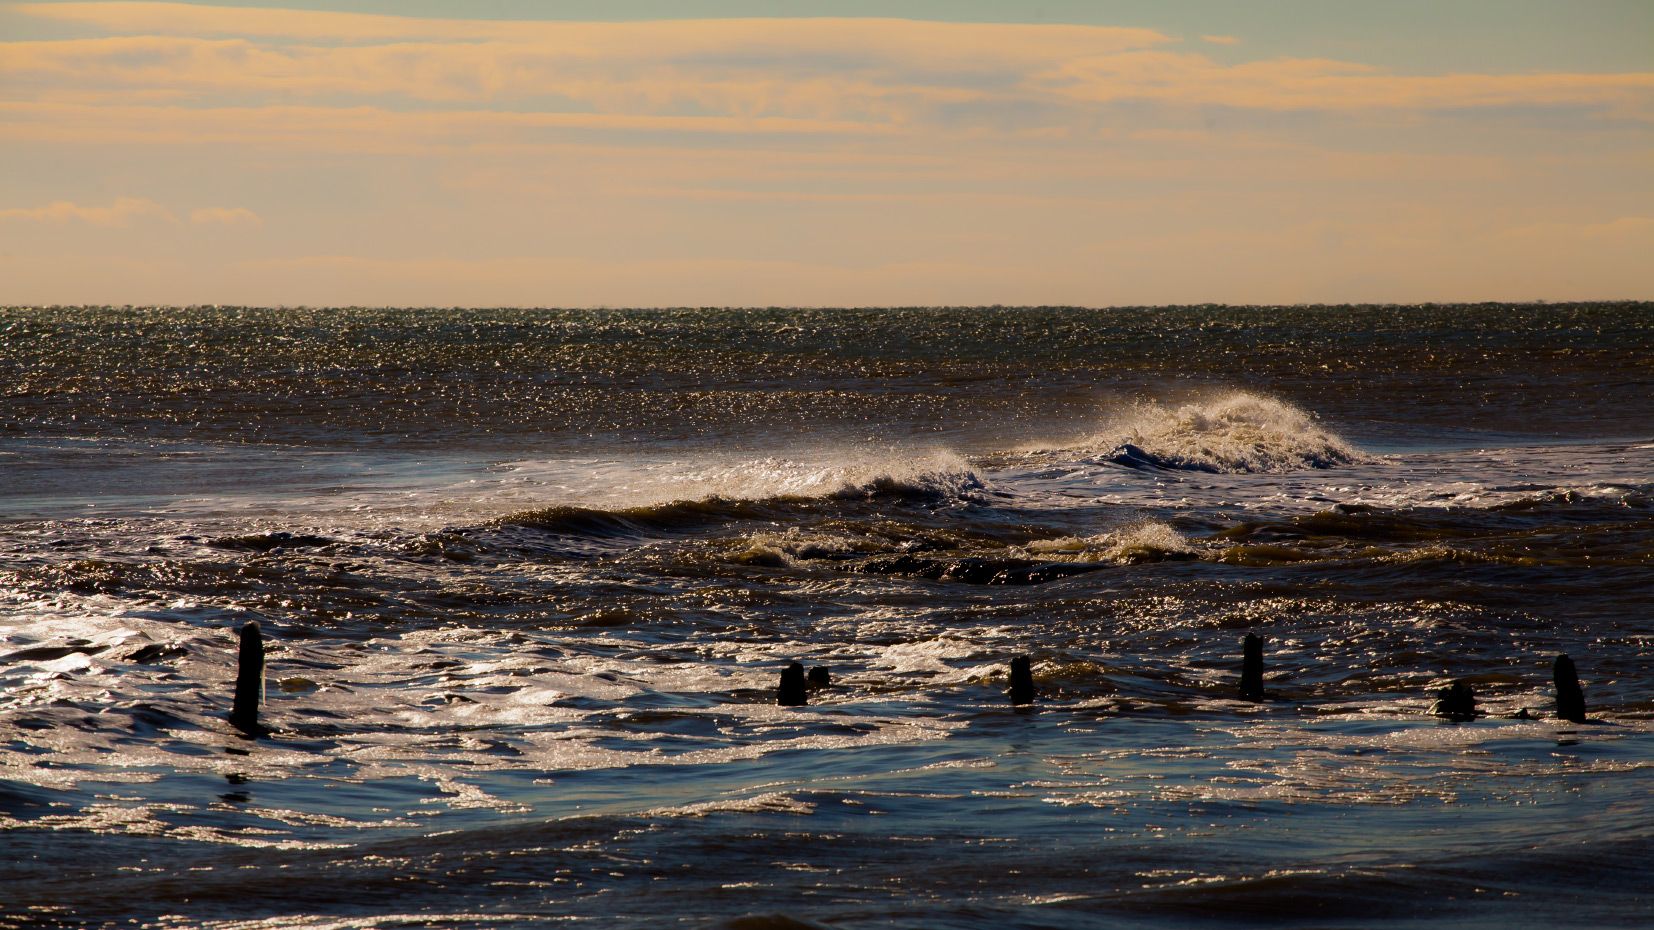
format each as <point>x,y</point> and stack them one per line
<point>1023,154</point>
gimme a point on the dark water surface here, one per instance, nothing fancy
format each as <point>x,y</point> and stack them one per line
<point>528,579</point>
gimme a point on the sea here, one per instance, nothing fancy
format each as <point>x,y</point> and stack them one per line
<point>527,581</point>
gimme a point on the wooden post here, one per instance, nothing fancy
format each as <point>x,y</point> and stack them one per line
<point>1456,702</point>
<point>249,680</point>
<point>792,691</point>
<point>1251,686</point>
<point>1022,681</point>
<point>1570,700</point>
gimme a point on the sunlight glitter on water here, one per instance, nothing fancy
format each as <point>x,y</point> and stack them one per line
<point>510,684</point>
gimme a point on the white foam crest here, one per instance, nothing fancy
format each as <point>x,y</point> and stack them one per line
<point>375,922</point>
<point>773,802</point>
<point>1142,540</point>
<point>401,492</point>
<point>928,656</point>
<point>936,471</point>
<point>650,481</point>
<point>793,545</point>
<point>1238,432</point>
<point>1486,496</point>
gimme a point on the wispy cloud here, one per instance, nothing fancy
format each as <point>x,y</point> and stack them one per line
<point>926,43</point>
<point>892,72</point>
<point>1319,84</point>
<point>370,158</point>
<point>127,212</point>
<point>366,128</point>
<point>123,212</point>
<point>225,216</point>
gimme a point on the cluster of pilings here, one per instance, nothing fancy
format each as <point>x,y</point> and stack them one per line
<point>1455,702</point>
<point>796,684</point>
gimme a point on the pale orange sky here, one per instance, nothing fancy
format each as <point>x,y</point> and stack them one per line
<point>172,153</point>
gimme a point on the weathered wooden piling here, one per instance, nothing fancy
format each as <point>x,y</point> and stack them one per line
<point>818,677</point>
<point>1570,700</point>
<point>1251,685</point>
<point>1456,702</point>
<point>249,680</point>
<point>792,690</point>
<point>1022,680</point>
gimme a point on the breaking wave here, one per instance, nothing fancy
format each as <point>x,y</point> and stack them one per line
<point>795,545</point>
<point>750,490</point>
<point>1144,542</point>
<point>928,475</point>
<point>1237,433</point>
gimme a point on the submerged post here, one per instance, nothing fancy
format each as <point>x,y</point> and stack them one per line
<point>818,677</point>
<point>1251,686</point>
<point>249,680</point>
<point>1022,680</point>
<point>1570,700</point>
<point>791,693</point>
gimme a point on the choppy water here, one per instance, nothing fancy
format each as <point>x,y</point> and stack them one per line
<point>528,579</point>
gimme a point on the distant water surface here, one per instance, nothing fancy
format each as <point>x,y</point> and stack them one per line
<point>528,578</point>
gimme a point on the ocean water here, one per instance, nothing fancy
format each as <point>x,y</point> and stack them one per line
<point>528,578</point>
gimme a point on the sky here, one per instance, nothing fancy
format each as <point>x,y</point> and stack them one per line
<point>903,152</point>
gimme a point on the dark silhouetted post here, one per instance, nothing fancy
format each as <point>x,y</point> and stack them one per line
<point>1570,700</point>
<point>791,692</point>
<point>1455,702</point>
<point>249,680</point>
<point>1022,681</point>
<point>818,677</point>
<point>1251,688</point>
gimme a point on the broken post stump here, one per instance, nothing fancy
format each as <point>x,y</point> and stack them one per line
<point>1251,685</point>
<point>818,677</point>
<point>249,680</point>
<point>1570,700</point>
<point>792,690</point>
<point>1456,702</point>
<point>1022,680</point>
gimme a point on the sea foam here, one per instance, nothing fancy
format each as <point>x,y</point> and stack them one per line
<point>1143,542</point>
<point>673,495</point>
<point>933,473</point>
<point>1235,433</point>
